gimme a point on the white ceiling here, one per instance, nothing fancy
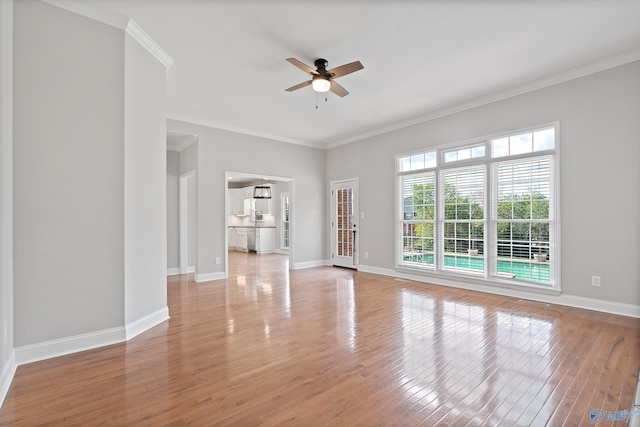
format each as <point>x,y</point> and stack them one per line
<point>420,57</point>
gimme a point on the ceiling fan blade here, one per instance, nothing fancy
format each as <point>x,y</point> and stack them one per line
<point>299,86</point>
<point>337,89</point>
<point>345,69</point>
<point>304,67</point>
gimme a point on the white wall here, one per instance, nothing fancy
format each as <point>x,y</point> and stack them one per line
<point>7,361</point>
<point>173,214</point>
<point>600,177</point>
<point>219,151</point>
<point>188,158</point>
<point>89,176</point>
<point>68,174</point>
<point>145,193</point>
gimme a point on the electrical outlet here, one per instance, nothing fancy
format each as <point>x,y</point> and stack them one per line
<point>217,260</point>
<point>366,254</point>
<point>595,281</point>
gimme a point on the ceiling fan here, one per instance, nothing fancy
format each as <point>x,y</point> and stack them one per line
<point>322,80</point>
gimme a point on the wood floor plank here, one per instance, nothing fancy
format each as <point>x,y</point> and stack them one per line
<point>331,346</point>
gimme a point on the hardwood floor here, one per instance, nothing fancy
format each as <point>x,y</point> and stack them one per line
<point>330,346</point>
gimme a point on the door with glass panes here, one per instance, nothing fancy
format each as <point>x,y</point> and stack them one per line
<point>344,229</point>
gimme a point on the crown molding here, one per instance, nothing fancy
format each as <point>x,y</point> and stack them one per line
<point>138,34</point>
<point>183,143</point>
<point>552,80</point>
<point>220,126</point>
<point>93,11</point>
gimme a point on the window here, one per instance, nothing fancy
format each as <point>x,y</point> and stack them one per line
<point>485,210</point>
<point>418,221</point>
<point>417,162</point>
<point>464,153</point>
<point>462,212</point>
<point>344,222</point>
<point>522,216</point>
<point>528,142</point>
<point>284,237</point>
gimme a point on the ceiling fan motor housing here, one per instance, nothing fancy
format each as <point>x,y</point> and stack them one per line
<point>321,65</point>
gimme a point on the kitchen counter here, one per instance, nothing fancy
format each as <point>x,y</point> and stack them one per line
<point>252,238</point>
<point>252,226</point>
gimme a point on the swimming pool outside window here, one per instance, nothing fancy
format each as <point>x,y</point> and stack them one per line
<point>462,218</point>
<point>485,209</point>
<point>418,218</point>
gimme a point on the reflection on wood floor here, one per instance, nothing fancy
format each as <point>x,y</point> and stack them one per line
<point>330,346</point>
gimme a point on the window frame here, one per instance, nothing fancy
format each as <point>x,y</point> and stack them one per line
<point>442,220</point>
<point>457,150</point>
<point>413,221</point>
<point>285,220</point>
<point>488,275</point>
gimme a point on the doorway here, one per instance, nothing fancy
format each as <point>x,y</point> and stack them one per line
<point>344,230</point>
<point>276,215</point>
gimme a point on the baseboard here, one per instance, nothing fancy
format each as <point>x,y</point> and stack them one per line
<point>8,371</point>
<point>60,347</point>
<point>611,307</point>
<point>281,251</point>
<point>147,322</point>
<point>311,264</point>
<point>378,270</point>
<point>207,277</point>
<point>176,270</point>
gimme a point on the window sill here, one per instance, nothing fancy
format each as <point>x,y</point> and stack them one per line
<point>474,282</point>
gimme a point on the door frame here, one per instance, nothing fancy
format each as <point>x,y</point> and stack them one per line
<point>356,216</point>
<point>183,218</point>
<point>227,210</point>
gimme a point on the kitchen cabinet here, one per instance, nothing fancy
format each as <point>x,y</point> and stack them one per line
<point>243,204</point>
<point>242,239</point>
<point>251,239</point>
<point>237,204</point>
<point>261,240</point>
<point>265,240</point>
<point>240,204</point>
<point>247,193</point>
<point>233,238</point>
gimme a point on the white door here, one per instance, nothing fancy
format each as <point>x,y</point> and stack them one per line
<point>344,230</point>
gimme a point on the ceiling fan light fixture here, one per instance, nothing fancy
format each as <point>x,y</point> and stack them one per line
<point>321,84</point>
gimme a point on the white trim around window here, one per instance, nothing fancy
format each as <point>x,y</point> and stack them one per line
<point>486,210</point>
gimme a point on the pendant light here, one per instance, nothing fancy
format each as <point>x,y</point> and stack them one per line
<point>261,191</point>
